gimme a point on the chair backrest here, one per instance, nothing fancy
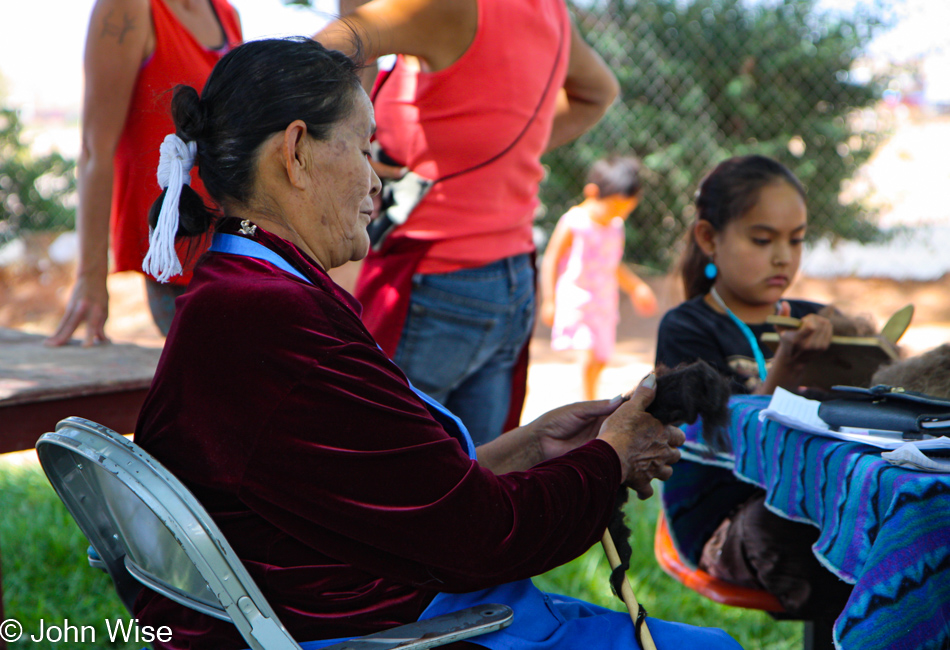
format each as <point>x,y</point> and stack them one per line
<point>139,518</point>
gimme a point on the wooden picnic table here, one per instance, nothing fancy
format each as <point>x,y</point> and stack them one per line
<point>39,386</point>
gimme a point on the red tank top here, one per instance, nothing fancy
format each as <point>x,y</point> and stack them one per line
<point>178,59</point>
<point>437,123</point>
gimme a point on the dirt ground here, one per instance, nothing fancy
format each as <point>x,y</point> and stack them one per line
<point>33,296</point>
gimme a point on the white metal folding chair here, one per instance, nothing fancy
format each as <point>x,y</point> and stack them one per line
<point>145,525</point>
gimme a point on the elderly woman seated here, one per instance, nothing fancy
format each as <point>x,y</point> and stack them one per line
<point>356,502</point>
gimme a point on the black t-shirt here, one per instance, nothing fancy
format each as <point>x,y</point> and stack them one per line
<point>694,330</point>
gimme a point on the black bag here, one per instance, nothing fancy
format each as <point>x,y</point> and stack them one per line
<point>888,408</point>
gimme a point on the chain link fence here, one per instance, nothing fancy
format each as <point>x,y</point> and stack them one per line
<point>704,80</point>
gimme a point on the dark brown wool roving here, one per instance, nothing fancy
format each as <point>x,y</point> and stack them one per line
<point>690,391</point>
<point>682,394</point>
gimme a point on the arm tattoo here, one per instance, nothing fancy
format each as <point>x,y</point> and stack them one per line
<point>117,28</point>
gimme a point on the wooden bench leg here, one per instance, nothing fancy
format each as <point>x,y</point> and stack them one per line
<point>819,634</point>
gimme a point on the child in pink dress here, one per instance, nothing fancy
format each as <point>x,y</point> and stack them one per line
<point>582,269</point>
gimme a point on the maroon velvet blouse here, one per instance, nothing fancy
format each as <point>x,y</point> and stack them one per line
<point>349,504</point>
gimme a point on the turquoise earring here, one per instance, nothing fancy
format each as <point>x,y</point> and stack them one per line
<point>710,271</point>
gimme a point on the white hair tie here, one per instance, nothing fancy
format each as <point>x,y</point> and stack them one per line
<point>175,161</point>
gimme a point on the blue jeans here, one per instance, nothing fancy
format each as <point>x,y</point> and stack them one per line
<point>462,337</point>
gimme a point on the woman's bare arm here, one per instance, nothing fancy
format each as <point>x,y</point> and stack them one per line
<point>116,43</point>
<point>436,31</point>
<point>589,90</point>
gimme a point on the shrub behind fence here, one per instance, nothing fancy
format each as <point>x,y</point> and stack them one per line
<point>703,80</point>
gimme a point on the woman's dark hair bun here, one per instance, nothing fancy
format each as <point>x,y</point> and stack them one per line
<point>191,120</point>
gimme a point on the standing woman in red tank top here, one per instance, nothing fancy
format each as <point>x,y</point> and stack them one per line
<point>136,51</point>
<point>480,90</point>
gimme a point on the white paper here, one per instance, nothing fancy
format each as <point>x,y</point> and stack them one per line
<point>801,413</point>
<point>909,456</point>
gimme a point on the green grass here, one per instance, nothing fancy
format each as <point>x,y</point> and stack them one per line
<point>45,575</point>
<point>661,595</point>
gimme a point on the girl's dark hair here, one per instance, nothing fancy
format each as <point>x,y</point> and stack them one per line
<point>616,175</point>
<point>255,90</point>
<point>727,193</point>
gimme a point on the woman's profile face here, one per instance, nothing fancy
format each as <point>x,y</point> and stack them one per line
<point>343,185</point>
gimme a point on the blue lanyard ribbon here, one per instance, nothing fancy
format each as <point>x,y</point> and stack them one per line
<point>235,245</point>
<point>747,331</point>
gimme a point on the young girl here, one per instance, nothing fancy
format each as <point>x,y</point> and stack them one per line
<point>582,269</point>
<point>744,250</point>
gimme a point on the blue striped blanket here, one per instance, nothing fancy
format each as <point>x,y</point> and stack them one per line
<point>884,529</point>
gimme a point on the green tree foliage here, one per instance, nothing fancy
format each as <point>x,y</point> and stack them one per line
<point>703,80</point>
<point>33,191</point>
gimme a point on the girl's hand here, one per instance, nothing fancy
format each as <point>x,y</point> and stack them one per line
<point>795,349</point>
<point>813,335</point>
<point>644,300</point>
<point>547,312</point>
